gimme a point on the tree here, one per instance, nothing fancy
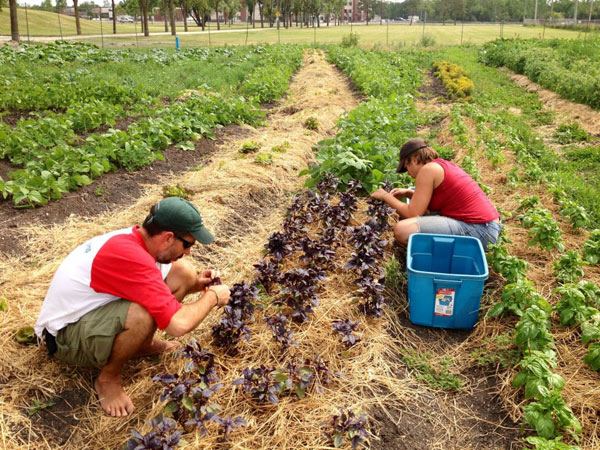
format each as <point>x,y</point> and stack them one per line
<point>200,9</point>
<point>2,4</point>
<point>231,8</point>
<point>60,6</point>
<point>163,10</point>
<point>114,14</point>
<point>367,7</point>
<point>77,21</point>
<point>86,9</point>
<point>14,22</point>
<point>185,12</point>
<point>172,17</point>
<point>217,6</point>
<point>251,6</point>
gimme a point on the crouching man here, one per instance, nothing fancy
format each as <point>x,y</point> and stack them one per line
<point>111,293</point>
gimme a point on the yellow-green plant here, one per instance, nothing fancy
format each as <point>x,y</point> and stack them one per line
<point>455,80</point>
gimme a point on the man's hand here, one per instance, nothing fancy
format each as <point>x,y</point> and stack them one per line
<point>379,194</point>
<point>222,293</point>
<point>402,193</point>
<point>204,279</point>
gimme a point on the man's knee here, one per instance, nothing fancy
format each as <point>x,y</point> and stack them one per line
<point>182,277</point>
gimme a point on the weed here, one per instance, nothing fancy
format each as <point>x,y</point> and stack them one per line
<point>311,124</point>
<point>36,407</point>
<point>25,336</point>
<point>99,192</point>
<point>427,40</point>
<point>436,377</point>
<point>176,190</point>
<point>281,148</point>
<point>250,147</point>
<point>350,40</point>
<point>496,350</point>
<point>3,304</point>
<point>570,133</point>
<point>266,159</point>
<point>395,276</point>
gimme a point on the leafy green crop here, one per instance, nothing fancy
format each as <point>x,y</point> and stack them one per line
<point>49,173</point>
<point>551,414</point>
<point>366,146</point>
<point>591,248</point>
<point>517,298</point>
<point>568,269</point>
<point>510,267</point>
<point>533,330</point>
<point>569,133</point>
<point>543,229</point>
<point>536,374</point>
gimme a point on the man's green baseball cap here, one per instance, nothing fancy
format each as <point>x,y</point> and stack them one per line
<point>177,214</point>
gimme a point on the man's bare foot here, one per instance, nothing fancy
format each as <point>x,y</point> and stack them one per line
<point>112,397</point>
<point>157,346</point>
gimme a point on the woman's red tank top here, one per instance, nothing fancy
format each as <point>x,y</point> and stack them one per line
<point>460,197</point>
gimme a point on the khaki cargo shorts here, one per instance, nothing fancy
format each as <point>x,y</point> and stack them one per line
<point>88,342</point>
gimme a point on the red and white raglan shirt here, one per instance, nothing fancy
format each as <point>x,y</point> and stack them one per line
<point>107,268</point>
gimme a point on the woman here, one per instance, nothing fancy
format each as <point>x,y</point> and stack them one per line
<point>446,200</point>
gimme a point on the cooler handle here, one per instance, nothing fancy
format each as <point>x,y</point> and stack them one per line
<point>455,282</point>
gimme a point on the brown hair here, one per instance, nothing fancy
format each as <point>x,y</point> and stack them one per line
<point>151,226</point>
<point>424,155</point>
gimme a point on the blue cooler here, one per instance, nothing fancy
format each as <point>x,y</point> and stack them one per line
<point>445,280</point>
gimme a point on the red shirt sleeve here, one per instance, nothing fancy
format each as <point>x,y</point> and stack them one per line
<point>125,269</point>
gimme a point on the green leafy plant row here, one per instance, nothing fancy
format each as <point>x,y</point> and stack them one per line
<point>58,90</point>
<point>49,173</point>
<point>61,52</point>
<point>368,139</point>
<point>270,79</point>
<point>31,134</point>
<point>567,73</point>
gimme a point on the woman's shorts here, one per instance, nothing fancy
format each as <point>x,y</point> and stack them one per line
<point>487,233</point>
<point>88,342</point>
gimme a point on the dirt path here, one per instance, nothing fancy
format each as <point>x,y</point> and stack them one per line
<point>566,111</point>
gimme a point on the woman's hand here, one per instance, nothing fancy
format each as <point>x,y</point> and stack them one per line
<point>402,193</point>
<point>379,194</point>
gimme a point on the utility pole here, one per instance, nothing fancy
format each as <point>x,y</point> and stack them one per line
<point>535,12</point>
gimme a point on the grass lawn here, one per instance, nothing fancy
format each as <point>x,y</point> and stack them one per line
<point>374,34</point>
<point>43,23</point>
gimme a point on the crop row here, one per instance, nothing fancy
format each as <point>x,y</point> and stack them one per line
<point>578,201</point>
<point>49,173</point>
<point>454,79</point>
<point>366,146</point>
<point>287,285</point>
<point>62,52</point>
<point>548,413</point>
<point>55,162</point>
<point>572,75</point>
<point>50,129</point>
<point>38,86</point>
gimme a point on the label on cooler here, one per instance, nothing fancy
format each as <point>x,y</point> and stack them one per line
<point>444,302</point>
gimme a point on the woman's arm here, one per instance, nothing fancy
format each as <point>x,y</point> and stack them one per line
<point>420,198</point>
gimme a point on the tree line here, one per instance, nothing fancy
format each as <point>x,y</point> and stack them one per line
<point>312,12</point>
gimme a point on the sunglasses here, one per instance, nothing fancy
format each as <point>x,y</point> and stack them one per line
<point>186,244</point>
